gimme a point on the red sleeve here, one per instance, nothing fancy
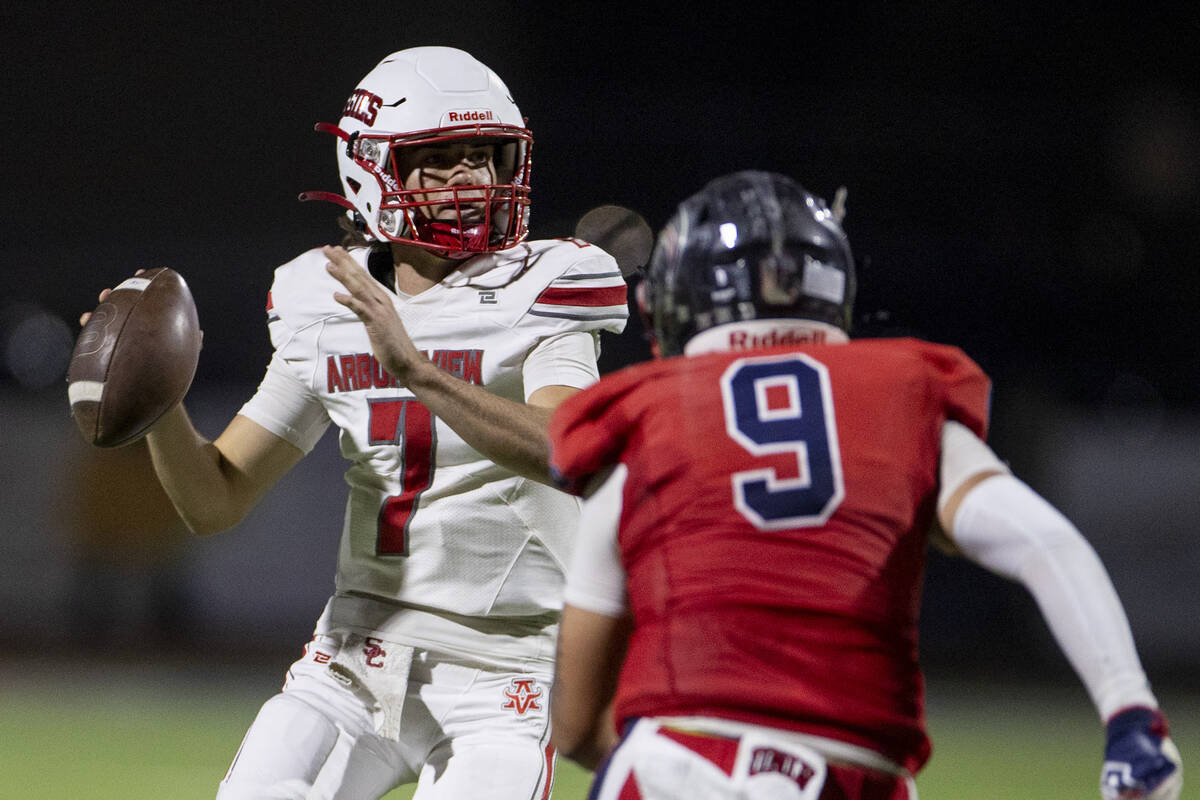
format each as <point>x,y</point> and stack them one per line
<point>589,430</point>
<point>968,390</point>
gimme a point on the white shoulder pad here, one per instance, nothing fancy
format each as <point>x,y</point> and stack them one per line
<point>302,292</point>
<point>566,283</point>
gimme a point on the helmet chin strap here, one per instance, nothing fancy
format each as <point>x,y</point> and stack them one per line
<point>442,238</point>
<point>457,241</point>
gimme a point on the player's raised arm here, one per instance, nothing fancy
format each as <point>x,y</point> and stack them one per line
<point>510,433</point>
<point>212,484</point>
<point>1000,523</point>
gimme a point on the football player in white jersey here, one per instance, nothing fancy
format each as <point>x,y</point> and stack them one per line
<point>440,350</point>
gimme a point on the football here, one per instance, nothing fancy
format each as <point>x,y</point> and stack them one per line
<point>620,231</point>
<point>134,359</point>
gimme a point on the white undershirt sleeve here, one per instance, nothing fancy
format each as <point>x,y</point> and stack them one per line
<point>596,578</point>
<point>1007,528</point>
<point>285,407</point>
<point>566,359</point>
<point>964,455</point>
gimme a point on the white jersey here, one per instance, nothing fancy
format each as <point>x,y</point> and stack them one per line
<point>430,523</point>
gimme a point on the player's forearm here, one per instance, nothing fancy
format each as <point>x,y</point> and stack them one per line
<point>192,471</point>
<point>589,746</point>
<point>511,434</point>
<point>1085,615</point>
<point>590,650</point>
<point>1004,526</point>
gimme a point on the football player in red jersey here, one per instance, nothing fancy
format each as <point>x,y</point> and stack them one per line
<point>743,599</point>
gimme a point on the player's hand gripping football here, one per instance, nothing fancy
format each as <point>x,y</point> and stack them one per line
<point>1140,760</point>
<point>104,293</point>
<point>373,305</point>
<point>135,357</point>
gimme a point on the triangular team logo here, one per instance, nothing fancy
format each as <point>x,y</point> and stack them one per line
<point>522,694</point>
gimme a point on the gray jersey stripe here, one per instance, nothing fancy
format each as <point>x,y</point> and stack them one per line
<point>578,317</point>
<point>586,276</point>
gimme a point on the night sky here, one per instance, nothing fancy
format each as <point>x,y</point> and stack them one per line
<point>1025,184</point>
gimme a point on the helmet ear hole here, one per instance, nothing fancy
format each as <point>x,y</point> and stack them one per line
<point>354,228</point>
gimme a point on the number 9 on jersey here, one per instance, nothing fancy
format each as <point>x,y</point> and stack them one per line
<point>779,405</point>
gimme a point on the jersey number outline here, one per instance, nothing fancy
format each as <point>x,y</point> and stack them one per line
<point>776,405</point>
<point>407,423</point>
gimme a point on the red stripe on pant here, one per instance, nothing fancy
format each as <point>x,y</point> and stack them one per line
<point>630,790</point>
<point>842,781</point>
<point>549,772</point>
<point>720,750</point>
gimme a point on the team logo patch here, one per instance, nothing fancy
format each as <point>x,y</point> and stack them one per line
<point>362,106</point>
<point>374,653</point>
<point>522,694</point>
<point>318,656</point>
<point>767,759</point>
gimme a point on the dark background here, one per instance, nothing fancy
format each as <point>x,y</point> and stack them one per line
<point>1023,183</point>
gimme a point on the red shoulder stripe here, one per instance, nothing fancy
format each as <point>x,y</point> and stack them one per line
<point>583,296</point>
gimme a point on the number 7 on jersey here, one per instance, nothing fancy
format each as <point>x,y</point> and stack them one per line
<point>408,424</point>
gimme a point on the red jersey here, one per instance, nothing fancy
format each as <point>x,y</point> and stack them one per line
<point>773,529</point>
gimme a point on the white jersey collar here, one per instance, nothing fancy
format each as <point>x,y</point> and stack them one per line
<point>757,333</point>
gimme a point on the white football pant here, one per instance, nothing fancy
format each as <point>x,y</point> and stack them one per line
<point>464,731</point>
<point>708,759</point>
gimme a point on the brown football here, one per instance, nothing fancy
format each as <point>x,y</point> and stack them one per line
<point>135,358</point>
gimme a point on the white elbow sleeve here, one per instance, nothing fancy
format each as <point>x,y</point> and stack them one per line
<point>964,455</point>
<point>1007,528</point>
<point>1003,525</point>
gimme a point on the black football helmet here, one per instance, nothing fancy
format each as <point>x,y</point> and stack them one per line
<point>749,245</point>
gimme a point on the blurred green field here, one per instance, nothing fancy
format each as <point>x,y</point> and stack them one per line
<point>130,733</point>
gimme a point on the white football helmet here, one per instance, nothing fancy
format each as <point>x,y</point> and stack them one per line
<point>432,96</point>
